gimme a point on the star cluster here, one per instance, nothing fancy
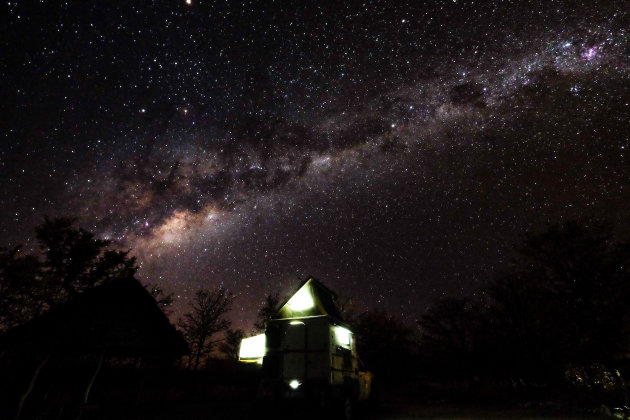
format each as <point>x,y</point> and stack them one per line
<point>397,151</point>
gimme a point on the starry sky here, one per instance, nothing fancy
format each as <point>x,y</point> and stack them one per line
<point>395,150</point>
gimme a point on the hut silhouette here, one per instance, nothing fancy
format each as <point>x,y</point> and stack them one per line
<point>119,319</point>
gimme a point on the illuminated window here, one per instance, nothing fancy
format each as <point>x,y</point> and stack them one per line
<point>252,349</point>
<point>342,336</point>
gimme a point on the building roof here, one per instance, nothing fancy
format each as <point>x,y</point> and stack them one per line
<point>311,298</point>
<point>120,316</point>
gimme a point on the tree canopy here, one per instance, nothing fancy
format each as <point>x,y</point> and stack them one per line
<point>266,311</point>
<point>562,303</point>
<point>206,318</point>
<point>70,261</point>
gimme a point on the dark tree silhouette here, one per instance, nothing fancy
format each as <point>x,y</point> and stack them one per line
<point>21,290</point>
<point>163,299</point>
<point>207,318</point>
<point>564,302</point>
<point>561,307</point>
<point>347,308</point>
<point>230,346</point>
<point>385,344</point>
<point>449,331</point>
<point>445,325</point>
<point>73,261</point>
<point>266,311</point>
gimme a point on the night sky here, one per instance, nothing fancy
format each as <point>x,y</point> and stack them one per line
<point>396,151</point>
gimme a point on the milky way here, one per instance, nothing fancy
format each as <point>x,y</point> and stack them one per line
<point>397,152</point>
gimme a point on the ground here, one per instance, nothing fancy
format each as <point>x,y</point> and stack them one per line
<point>386,411</point>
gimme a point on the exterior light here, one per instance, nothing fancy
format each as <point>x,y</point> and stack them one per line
<point>294,384</point>
<point>252,349</point>
<point>342,335</point>
<point>301,301</point>
<point>296,323</point>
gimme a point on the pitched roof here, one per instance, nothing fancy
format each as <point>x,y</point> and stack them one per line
<point>121,316</point>
<point>311,298</point>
